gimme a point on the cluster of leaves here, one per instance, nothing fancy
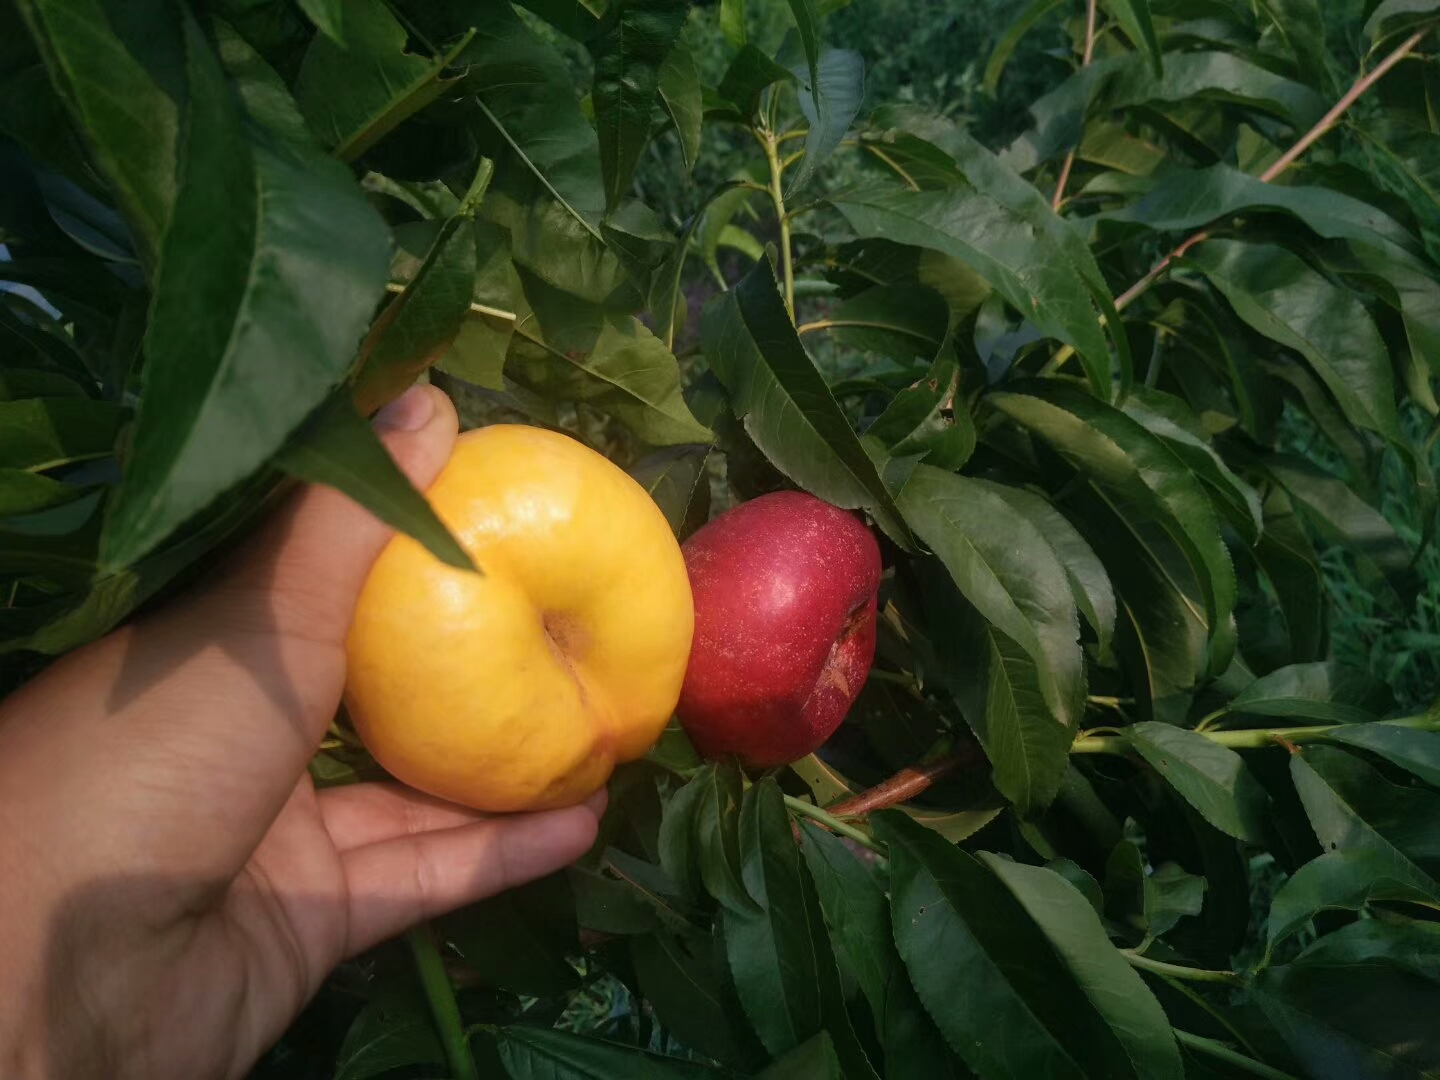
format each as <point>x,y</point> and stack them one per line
<point>1056,377</point>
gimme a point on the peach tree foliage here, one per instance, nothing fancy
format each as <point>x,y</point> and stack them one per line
<point>1105,807</point>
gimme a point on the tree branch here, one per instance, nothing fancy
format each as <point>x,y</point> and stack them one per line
<point>1059,197</point>
<point>906,784</point>
<point>1328,121</point>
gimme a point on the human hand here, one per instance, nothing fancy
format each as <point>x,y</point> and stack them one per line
<point>173,888</point>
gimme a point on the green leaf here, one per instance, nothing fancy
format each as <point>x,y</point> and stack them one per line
<point>1280,296</point>
<point>1288,559</point>
<point>1417,752</point>
<point>1005,47</point>
<point>328,17</point>
<point>1233,498</point>
<point>393,1030</point>
<point>993,982</point>
<point>807,22</point>
<point>578,351</point>
<point>535,1053</point>
<point>750,73</point>
<point>1003,565</point>
<point>1213,75</point>
<point>24,492</point>
<point>526,93</point>
<point>1352,807</point>
<point>1027,267</point>
<point>1342,517</point>
<point>788,410</point>
<point>477,354</point>
<point>1357,1003</point>
<point>683,979</point>
<point>814,1059</point>
<point>427,316</point>
<point>1185,199</point>
<point>272,265</point>
<point>1321,692</point>
<point>681,97</point>
<point>830,104</point>
<point>637,39</point>
<point>1124,1002</point>
<point>677,479</point>
<point>579,19</point>
<point>1134,19</point>
<point>780,953</point>
<point>732,22</point>
<point>1141,479</point>
<point>901,321</point>
<point>1347,881</point>
<point>1089,582</point>
<point>1211,778</point>
<point>127,92</point>
<point>1302,27</point>
<point>858,914</point>
<point>923,420</point>
<point>41,433</point>
<point>1394,16</point>
<point>1170,895</point>
<point>339,449</point>
<point>354,94</point>
<point>715,824</point>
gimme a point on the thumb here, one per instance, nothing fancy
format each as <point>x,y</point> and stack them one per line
<point>301,575</point>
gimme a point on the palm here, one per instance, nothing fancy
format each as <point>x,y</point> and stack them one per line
<point>175,887</point>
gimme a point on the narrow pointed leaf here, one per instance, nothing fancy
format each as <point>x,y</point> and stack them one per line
<point>1210,777</point>
<point>526,96</point>
<point>1134,19</point>
<point>341,450</point>
<point>1136,471</point>
<point>1113,987</point>
<point>1005,1000</point>
<point>1316,693</point>
<point>681,96</point>
<point>788,410</point>
<point>570,349</point>
<point>1417,752</point>
<point>121,90</point>
<point>1003,565</point>
<point>1345,880</point>
<point>1280,296</point>
<point>273,262</point>
<point>830,106</point>
<point>638,37</point>
<point>353,95</point>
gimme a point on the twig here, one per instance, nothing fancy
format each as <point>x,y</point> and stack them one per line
<point>1084,63</point>
<point>1328,121</point>
<point>777,196</point>
<point>834,824</point>
<point>1247,739</point>
<point>905,784</point>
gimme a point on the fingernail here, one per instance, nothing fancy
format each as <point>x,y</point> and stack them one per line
<point>411,411</point>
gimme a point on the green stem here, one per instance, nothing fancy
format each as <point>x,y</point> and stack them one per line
<point>777,196</point>
<point>442,1002</point>
<point>1253,739</point>
<point>834,824</point>
<point>1221,1052</point>
<point>1178,971</point>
